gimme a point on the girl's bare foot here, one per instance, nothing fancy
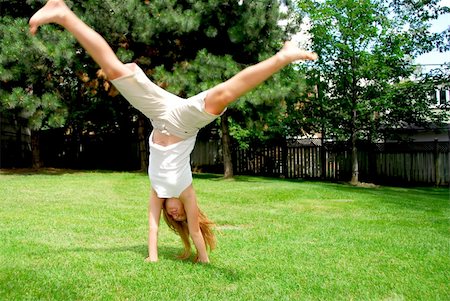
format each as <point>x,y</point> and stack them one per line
<point>53,11</point>
<point>291,53</point>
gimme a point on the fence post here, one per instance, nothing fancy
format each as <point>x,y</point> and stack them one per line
<point>371,158</point>
<point>323,157</point>
<point>284,159</point>
<point>436,163</point>
<point>448,160</point>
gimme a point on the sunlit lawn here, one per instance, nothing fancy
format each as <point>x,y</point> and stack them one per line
<point>82,236</point>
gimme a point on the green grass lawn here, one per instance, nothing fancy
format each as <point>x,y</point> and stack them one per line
<point>82,236</point>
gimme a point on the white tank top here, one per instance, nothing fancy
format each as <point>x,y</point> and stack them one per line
<point>169,167</point>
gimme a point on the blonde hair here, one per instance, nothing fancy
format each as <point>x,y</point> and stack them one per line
<point>181,228</point>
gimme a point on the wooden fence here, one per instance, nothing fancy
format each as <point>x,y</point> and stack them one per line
<point>390,163</point>
<point>15,140</point>
<point>422,162</point>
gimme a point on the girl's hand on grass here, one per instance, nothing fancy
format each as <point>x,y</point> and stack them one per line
<point>149,259</point>
<point>203,261</point>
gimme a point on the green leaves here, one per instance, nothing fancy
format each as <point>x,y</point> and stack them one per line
<point>16,98</point>
<point>27,83</point>
<point>186,46</point>
<point>366,48</point>
<point>202,73</point>
<point>44,111</point>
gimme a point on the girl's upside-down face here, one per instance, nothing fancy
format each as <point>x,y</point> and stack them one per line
<point>175,209</point>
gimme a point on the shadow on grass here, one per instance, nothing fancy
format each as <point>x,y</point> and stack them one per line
<point>407,192</point>
<point>241,178</point>
<point>28,281</point>
<point>57,171</point>
<point>164,252</point>
<point>207,176</point>
<point>419,198</point>
<point>37,171</point>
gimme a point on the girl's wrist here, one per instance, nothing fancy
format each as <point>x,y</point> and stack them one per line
<point>151,259</point>
<point>202,259</point>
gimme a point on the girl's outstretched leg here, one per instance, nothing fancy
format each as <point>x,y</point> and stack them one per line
<point>56,11</point>
<point>222,95</point>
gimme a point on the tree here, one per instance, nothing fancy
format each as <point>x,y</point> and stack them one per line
<point>366,50</point>
<point>49,81</point>
<point>29,84</point>
<point>189,46</point>
<point>184,46</point>
<point>230,36</point>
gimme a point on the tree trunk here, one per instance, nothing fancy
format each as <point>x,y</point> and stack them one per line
<point>226,147</point>
<point>372,158</point>
<point>354,158</point>
<point>35,150</point>
<point>355,169</point>
<point>323,156</point>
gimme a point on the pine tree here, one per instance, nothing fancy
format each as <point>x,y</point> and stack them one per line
<point>184,46</point>
<point>30,77</point>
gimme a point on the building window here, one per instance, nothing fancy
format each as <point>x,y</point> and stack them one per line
<point>442,98</point>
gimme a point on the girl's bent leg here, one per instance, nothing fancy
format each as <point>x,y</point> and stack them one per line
<point>56,11</point>
<point>222,95</point>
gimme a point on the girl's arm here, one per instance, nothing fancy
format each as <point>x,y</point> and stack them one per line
<point>154,214</point>
<point>189,200</point>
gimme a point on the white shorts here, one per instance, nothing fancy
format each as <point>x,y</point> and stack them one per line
<point>168,113</point>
